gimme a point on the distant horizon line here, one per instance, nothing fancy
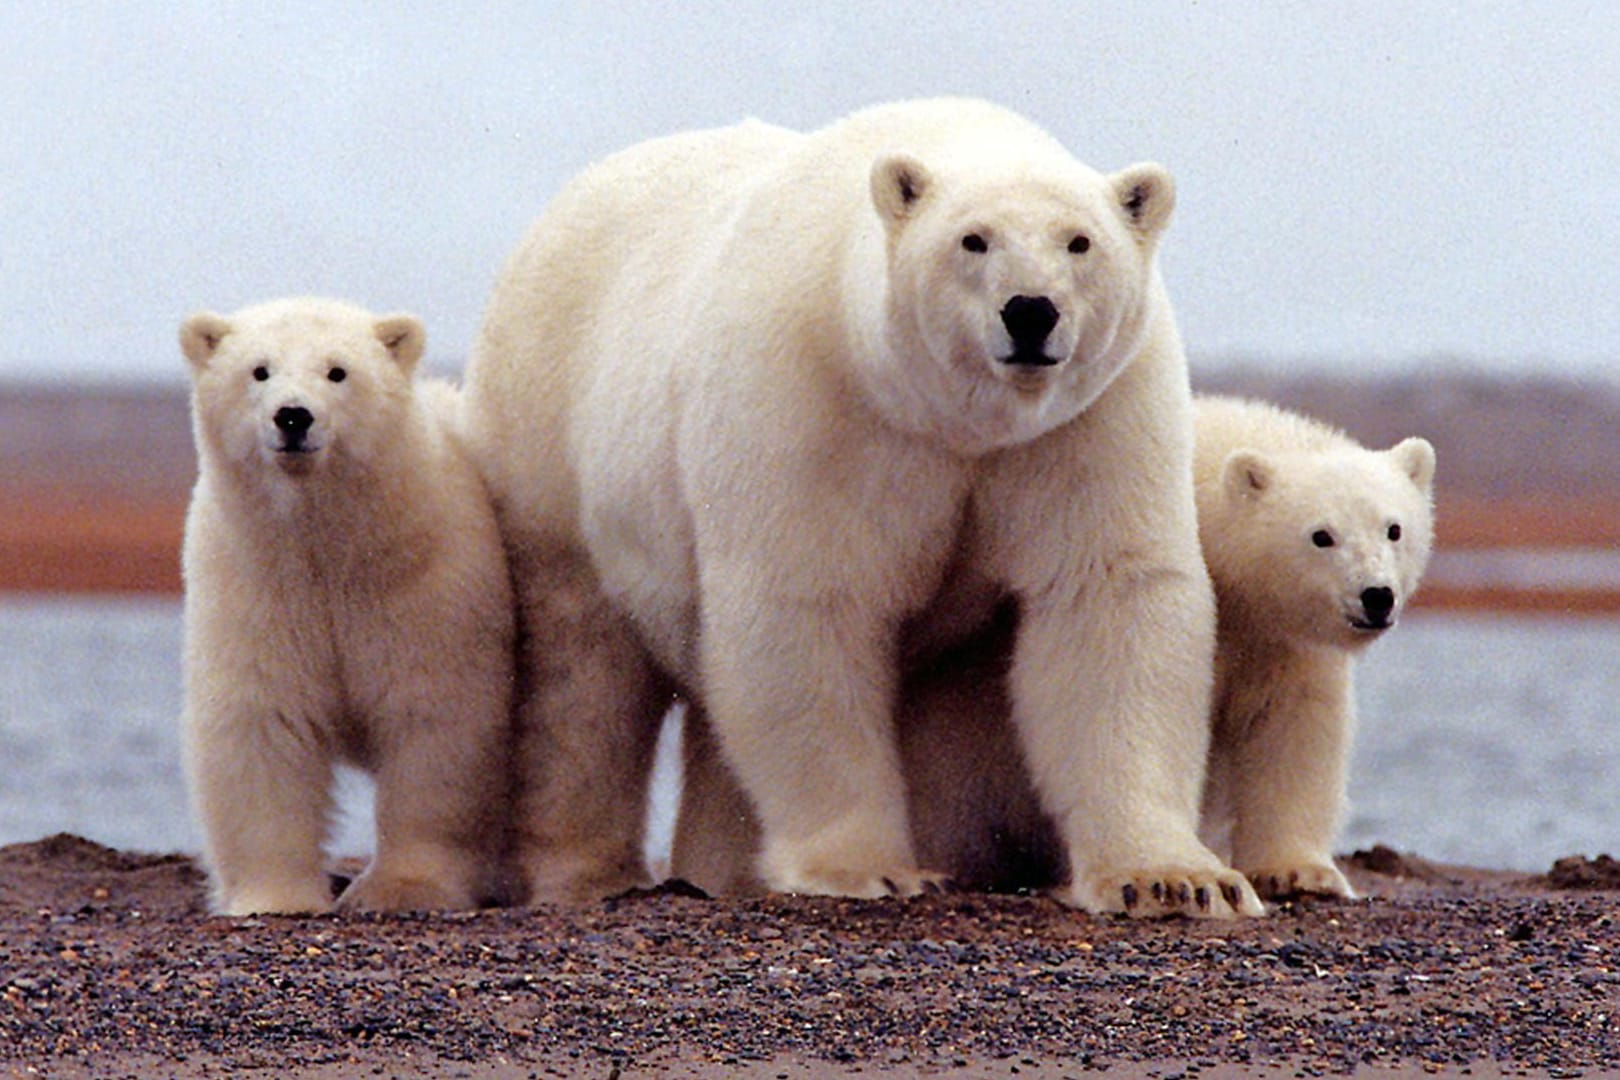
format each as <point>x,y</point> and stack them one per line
<point>1352,367</point>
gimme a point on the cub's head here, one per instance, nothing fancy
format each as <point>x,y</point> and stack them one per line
<point>298,384</point>
<point>1026,284</point>
<point>1325,546</point>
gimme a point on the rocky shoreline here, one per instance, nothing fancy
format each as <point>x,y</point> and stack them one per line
<point>109,966</point>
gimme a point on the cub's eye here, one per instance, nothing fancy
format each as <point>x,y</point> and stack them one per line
<point>1322,538</point>
<point>1080,244</point>
<point>261,373</point>
<point>1394,532</point>
<point>337,374</point>
<point>975,243</point>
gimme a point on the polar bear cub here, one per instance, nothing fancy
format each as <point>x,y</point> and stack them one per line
<point>1315,544</point>
<point>347,600</point>
<point>762,409</point>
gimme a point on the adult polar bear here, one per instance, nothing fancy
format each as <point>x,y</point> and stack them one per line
<point>764,412</point>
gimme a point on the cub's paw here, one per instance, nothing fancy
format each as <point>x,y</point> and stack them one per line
<point>377,892</point>
<point>304,898</point>
<point>1316,878</point>
<point>1195,893</point>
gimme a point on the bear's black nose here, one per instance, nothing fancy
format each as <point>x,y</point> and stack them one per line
<point>294,421</point>
<point>1029,319</point>
<point>1378,602</point>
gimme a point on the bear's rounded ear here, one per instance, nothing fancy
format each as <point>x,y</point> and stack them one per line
<point>403,337</point>
<point>899,184</point>
<point>1248,474</point>
<point>200,336</point>
<point>1146,195</point>
<point>1415,456</point>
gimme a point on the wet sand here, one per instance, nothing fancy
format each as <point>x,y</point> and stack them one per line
<point>109,967</point>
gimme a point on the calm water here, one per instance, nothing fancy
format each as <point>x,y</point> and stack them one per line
<point>1484,740</point>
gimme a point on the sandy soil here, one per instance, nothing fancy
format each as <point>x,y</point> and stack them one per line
<point>110,967</point>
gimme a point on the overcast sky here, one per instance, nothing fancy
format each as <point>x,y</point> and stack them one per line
<point>1357,182</point>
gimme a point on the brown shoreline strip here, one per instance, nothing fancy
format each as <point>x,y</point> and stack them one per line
<point>135,548</point>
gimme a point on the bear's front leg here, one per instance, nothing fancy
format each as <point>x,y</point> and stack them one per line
<point>1287,770</point>
<point>261,783</point>
<point>1110,690</point>
<point>800,695</point>
<point>439,743</point>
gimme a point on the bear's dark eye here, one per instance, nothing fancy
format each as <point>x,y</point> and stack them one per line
<point>261,373</point>
<point>1395,532</point>
<point>1322,538</point>
<point>337,374</point>
<point>975,243</point>
<point>1080,244</point>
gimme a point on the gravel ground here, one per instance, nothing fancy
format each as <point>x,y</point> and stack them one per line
<point>110,967</point>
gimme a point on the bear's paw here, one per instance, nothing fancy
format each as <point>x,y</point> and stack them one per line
<point>1315,878</point>
<point>1197,893</point>
<point>277,898</point>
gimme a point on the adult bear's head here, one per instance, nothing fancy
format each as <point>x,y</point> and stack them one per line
<point>1029,278</point>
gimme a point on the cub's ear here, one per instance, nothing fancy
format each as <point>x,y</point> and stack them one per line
<point>200,336</point>
<point>899,185</point>
<point>1146,196</point>
<point>1416,458</point>
<point>403,337</point>
<point>1248,475</point>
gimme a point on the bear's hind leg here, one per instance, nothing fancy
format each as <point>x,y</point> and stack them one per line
<point>590,706</point>
<point>716,841</point>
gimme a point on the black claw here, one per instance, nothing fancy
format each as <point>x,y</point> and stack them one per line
<point>1184,893</point>
<point>1202,895</point>
<point>1158,891</point>
<point>889,884</point>
<point>1129,895</point>
<point>1232,894</point>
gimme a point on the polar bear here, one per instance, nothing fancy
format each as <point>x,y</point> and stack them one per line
<point>346,600</point>
<point>1315,545</point>
<point>766,413</point>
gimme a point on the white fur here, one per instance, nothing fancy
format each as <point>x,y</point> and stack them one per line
<point>751,387</point>
<point>346,601</point>
<point>1297,523</point>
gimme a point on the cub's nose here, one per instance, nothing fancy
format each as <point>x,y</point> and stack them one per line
<point>1029,319</point>
<point>1378,602</point>
<point>294,421</point>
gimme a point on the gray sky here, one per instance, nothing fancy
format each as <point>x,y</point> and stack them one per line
<point>1357,182</point>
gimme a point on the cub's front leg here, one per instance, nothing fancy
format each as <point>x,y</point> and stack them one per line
<point>1283,762</point>
<point>255,738</point>
<point>262,790</point>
